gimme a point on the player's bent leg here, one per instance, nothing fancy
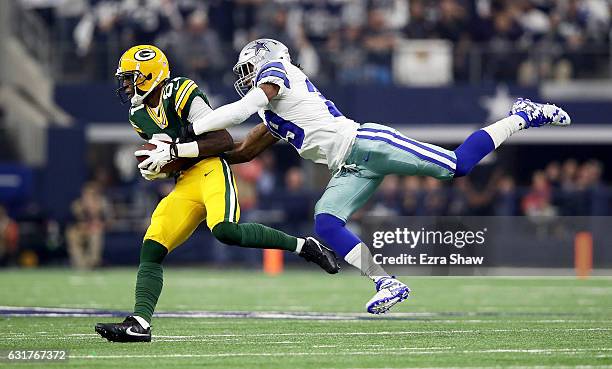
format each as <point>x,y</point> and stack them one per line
<point>254,235</point>
<point>347,192</point>
<point>385,150</point>
<point>221,201</point>
<point>389,291</point>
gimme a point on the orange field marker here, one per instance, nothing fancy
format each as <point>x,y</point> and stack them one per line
<point>583,254</point>
<point>273,261</point>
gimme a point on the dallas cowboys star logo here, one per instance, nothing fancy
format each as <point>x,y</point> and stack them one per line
<point>260,45</point>
<point>497,105</point>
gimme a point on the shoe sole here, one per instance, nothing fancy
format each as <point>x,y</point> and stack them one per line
<point>336,265</point>
<point>383,305</point>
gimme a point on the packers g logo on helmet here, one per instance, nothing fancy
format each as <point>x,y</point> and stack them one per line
<point>144,54</point>
<point>140,70</point>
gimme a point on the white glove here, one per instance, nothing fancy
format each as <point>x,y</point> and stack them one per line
<point>150,176</point>
<point>158,157</point>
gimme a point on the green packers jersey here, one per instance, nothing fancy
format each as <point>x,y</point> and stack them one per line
<point>169,117</point>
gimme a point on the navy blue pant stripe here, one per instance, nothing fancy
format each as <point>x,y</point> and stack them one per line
<point>419,155</point>
<point>415,143</point>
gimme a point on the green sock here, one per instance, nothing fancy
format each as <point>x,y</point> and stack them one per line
<point>150,279</point>
<point>254,235</point>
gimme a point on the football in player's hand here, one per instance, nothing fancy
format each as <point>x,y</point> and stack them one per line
<point>174,166</point>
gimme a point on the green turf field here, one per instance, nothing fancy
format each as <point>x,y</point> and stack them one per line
<point>449,322</point>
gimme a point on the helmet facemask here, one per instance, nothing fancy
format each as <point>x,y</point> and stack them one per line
<point>252,57</point>
<point>246,75</point>
<point>129,80</point>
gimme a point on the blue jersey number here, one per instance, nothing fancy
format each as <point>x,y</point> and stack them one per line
<point>284,129</point>
<point>330,105</point>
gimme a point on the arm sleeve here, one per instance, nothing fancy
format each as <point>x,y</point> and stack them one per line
<point>198,109</point>
<point>231,114</point>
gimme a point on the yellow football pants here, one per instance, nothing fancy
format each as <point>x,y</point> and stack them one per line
<point>205,191</point>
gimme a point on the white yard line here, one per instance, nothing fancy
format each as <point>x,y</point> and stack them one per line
<point>414,317</point>
<point>367,352</point>
<point>308,334</point>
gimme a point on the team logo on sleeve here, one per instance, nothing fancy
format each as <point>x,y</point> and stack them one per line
<point>144,54</point>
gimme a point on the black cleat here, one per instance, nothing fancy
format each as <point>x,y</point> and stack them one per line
<point>314,251</point>
<point>127,331</point>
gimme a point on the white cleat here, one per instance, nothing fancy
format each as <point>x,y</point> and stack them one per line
<point>389,291</point>
<point>537,115</point>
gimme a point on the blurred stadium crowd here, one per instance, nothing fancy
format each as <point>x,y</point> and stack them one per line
<point>346,41</point>
<point>337,42</point>
<point>568,188</point>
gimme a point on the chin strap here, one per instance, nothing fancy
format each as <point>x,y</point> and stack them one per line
<point>137,100</point>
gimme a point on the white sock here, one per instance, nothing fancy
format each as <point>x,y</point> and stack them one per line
<point>361,258</point>
<point>501,130</point>
<point>143,323</point>
<point>300,243</point>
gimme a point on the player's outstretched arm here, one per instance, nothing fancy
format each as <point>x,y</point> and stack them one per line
<point>257,140</point>
<point>236,112</point>
<point>231,114</point>
<point>214,143</point>
<point>207,144</point>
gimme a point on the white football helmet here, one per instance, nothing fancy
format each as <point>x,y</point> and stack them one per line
<point>252,57</point>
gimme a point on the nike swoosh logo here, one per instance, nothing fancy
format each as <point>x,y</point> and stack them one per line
<point>131,333</point>
<point>209,173</point>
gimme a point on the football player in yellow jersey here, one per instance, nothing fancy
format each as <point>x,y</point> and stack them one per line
<point>161,110</point>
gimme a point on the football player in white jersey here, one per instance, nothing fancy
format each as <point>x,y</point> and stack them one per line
<point>358,155</point>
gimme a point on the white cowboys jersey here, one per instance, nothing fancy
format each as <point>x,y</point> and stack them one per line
<point>302,116</point>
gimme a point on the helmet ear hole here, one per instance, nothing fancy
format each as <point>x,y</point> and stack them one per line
<point>149,76</point>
